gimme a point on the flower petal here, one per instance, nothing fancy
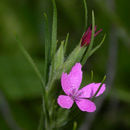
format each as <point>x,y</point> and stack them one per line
<point>86,105</point>
<point>75,76</point>
<point>90,90</point>
<point>73,80</point>
<point>65,83</point>
<point>65,101</point>
<point>86,33</point>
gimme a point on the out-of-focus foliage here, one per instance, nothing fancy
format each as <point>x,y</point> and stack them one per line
<point>18,82</point>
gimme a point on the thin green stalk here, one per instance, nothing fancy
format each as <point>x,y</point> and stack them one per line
<point>47,48</point>
<point>66,42</point>
<point>86,14</point>
<point>44,95</point>
<point>75,126</point>
<point>104,78</point>
<point>40,127</point>
<point>92,76</point>
<point>92,40</point>
<point>98,46</point>
<point>53,41</point>
<point>30,60</point>
<point>46,112</point>
<point>54,30</point>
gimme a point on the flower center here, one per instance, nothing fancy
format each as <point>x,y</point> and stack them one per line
<point>75,95</point>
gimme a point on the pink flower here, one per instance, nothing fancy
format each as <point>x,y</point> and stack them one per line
<point>70,85</point>
<point>87,35</point>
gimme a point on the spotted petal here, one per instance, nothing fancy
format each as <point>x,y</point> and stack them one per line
<point>86,105</point>
<point>90,90</point>
<point>65,101</point>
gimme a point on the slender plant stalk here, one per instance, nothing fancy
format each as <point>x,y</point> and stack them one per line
<point>40,127</point>
<point>92,40</point>
<point>66,42</point>
<point>104,78</point>
<point>30,60</point>
<point>47,48</point>
<point>98,46</point>
<point>44,95</point>
<point>86,14</point>
<point>92,76</point>
<point>75,126</point>
<point>54,30</point>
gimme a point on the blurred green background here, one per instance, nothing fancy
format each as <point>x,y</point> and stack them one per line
<point>20,90</point>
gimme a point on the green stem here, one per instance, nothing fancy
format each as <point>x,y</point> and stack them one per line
<point>46,112</point>
<point>47,48</point>
<point>44,94</point>
<point>92,40</point>
<point>86,13</point>
<point>66,42</point>
<point>30,60</point>
<point>54,31</point>
<point>75,126</point>
<point>104,78</point>
<point>92,76</point>
<point>40,127</point>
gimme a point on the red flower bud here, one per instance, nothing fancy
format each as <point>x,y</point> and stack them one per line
<point>87,35</point>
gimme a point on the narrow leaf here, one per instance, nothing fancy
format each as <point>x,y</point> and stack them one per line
<point>75,56</point>
<point>92,40</point>
<point>75,126</point>
<point>92,76</point>
<point>41,123</point>
<point>30,60</point>
<point>66,42</point>
<point>56,66</point>
<point>47,47</point>
<point>59,57</point>
<point>44,96</point>
<point>54,30</point>
<point>86,14</point>
<point>104,78</point>
<point>98,46</point>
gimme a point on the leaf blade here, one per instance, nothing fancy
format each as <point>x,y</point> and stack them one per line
<point>66,42</point>
<point>30,60</point>
<point>92,40</point>
<point>98,46</point>
<point>86,14</point>
<point>54,30</point>
<point>47,47</point>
